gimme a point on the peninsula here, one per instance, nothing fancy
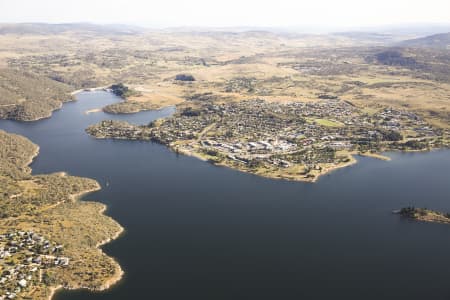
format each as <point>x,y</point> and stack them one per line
<point>287,140</point>
<point>49,239</point>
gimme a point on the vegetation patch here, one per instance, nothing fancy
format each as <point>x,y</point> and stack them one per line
<point>129,107</point>
<point>124,91</point>
<point>48,238</point>
<point>184,77</point>
<point>325,122</point>
<point>27,97</point>
<point>424,214</point>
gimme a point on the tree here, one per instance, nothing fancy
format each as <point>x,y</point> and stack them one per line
<point>184,77</point>
<point>392,135</point>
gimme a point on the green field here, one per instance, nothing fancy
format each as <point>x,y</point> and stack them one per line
<point>325,122</point>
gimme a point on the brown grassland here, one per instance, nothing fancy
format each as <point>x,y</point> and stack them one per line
<point>232,66</point>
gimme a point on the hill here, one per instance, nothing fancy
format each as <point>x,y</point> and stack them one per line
<point>27,97</point>
<point>441,40</point>
<point>51,29</point>
<point>361,36</point>
<point>395,58</point>
<point>364,68</point>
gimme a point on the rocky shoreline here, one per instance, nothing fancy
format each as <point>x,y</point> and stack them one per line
<point>72,220</point>
<point>423,214</point>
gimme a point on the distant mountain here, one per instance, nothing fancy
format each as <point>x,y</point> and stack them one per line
<point>360,35</point>
<point>50,29</point>
<point>409,31</point>
<point>441,40</point>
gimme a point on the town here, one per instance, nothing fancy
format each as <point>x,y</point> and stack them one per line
<point>24,255</point>
<point>294,140</point>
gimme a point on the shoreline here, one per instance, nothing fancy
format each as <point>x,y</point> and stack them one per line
<point>375,155</point>
<point>47,116</point>
<point>298,178</point>
<point>78,196</point>
<point>53,291</point>
<point>330,170</point>
<point>423,215</point>
<point>99,88</point>
<point>92,111</point>
<point>50,113</point>
<point>33,156</point>
<point>157,108</point>
<point>326,170</point>
<point>118,275</point>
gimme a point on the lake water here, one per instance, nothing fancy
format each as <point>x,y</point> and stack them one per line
<point>196,231</point>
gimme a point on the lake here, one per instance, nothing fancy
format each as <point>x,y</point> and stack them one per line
<point>197,231</point>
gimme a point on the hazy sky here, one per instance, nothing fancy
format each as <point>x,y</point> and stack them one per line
<point>265,13</point>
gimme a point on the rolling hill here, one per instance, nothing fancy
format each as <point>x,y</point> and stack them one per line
<point>441,40</point>
<point>27,97</point>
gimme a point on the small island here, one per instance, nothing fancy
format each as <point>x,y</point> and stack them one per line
<point>423,214</point>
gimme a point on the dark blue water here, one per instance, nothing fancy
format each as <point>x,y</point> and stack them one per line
<point>196,231</point>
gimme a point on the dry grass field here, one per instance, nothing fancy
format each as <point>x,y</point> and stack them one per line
<point>234,66</point>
